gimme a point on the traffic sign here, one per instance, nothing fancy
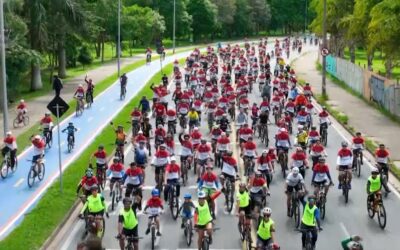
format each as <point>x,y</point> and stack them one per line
<point>62,106</point>
<point>324,52</point>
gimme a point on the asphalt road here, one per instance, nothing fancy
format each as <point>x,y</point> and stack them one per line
<point>341,219</point>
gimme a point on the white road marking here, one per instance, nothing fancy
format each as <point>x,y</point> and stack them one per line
<point>19,182</point>
<point>344,229</point>
<point>102,108</point>
<point>90,118</point>
<point>68,241</point>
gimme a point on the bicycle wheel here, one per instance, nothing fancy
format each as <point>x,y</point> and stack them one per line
<point>346,194</point>
<point>4,169</point>
<point>153,237</point>
<point>26,120</point>
<point>31,177</point>
<point>309,245</point>
<point>16,123</point>
<point>229,201</point>
<point>297,214</point>
<point>358,166</point>
<point>70,146</point>
<point>188,232</point>
<point>371,211</point>
<point>381,215</point>
<point>42,171</point>
<point>322,210</point>
<point>205,244</point>
<point>113,201</point>
<point>99,177</point>
<point>249,241</point>
<point>101,235</point>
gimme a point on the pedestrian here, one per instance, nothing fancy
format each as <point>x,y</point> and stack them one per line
<point>57,85</point>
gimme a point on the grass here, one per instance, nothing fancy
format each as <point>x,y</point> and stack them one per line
<point>52,208</point>
<point>378,63</point>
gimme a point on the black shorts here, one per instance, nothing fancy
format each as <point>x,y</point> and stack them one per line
<point>242,141</point>
<point>246,210</point>
<point>317,183</point>
<point>131,232</point>
<point>290,188</point>
<point>115,179</point>
<point>229,177</point>
<point>202,227</point>
<point>344,168</point>
<point>119,143</point>
<point>159,169</point>
<point>100,213</point>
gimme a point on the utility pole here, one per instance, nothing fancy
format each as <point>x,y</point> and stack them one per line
<point>119,39</point>
<point>305,18</point>
<point>173,29</point>
<point>3,77</point>
<point>324,46</point>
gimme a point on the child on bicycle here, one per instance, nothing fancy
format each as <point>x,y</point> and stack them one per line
<point>155,207</point>
<point>70,131</point>
<point>187,209</point>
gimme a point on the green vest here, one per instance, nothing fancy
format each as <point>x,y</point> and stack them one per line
<point>264,229</point>
<point>308,215</point>
<point>95,204</point>
<point>375,184</point>
<point>130,220</point>
<point>244,199</point>
<point>204,215</point>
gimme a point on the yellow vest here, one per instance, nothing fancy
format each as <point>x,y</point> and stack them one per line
<point>264,229</point>
<point>375,184</point>
<point>130,220</point>
<point>244,199</point>
<point>308,215</point>
<point>95,204</point>
<point>204,215</point>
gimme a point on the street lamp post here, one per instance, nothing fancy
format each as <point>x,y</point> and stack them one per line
<point>119,39</point>
<point>324,46</point>
<point>3,77</point>
<point>173,29</point>
<point>305,18</point>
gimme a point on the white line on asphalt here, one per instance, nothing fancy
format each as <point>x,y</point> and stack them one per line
<point>344,229</point>
<point>62,143</point>
<point>72,233</point>
<point>90,118</point>
<point>19,182</point>
<point>102,108</point>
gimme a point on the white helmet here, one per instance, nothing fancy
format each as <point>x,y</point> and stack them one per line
<point>196,128</point>
<point>265,151</point>
<point>80,85</point>
<point>172,158</point>
<point>201,195</point>
<point>223,134</point>
<point>140,132</point>
<point>9,133</point>
<point>37,137</point>
<point>295,170</point>
<point>22,100</point>
<point>300,127</point>
<point>282,130</point>
<point>266,210</point>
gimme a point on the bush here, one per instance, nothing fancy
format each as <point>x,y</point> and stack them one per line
<point>84,57</point>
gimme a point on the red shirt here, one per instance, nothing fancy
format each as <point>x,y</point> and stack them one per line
<point>263,159</point>
<point>88,182</point>
<point>250,146</point>
<point>299,156</point>
<point>223,140</point>
<point>258,182</point>
<point>134,171</point>
<point>343,152</point>
<point>319,168</point>
<point>161,154</point>
<point>245,131</point>
<point>317,148</point>
<point>282,136</point>
<point>154,202</point>
<point>136,113</point>
<point>46,119</point>
<point>358,140</point>
<point>21,106</point>
<point>100,154</point>
<point>159,109</point>
<point>271,156</point>
<point>381,153</point>
<point>230,160</point>
<point>313,133</point>
<point>171,112</point>
<point>172,168</point>
<point>140,138</point>
<point>204,148</point>
<point>323,114</point>
<point>117,167</point>
<point>209,177</point>
<point>9,139</point>
<point>160,132</point>
<point>38,144</point>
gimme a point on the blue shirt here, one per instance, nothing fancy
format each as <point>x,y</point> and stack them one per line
<point>145,105</point>
<point>70,129</point>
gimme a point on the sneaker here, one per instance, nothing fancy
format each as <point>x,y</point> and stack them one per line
<point>110,193</point>
<point>340,186</point>
<point>147,231</point>
<point>158,233</point>
<point>182,225</point>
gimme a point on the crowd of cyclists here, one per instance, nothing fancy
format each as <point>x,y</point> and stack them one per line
<point>209,112</point>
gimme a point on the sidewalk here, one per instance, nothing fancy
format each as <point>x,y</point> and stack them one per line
<point>37,106</point>
<point>369,121</point>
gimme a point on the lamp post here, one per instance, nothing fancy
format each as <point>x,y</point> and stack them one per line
<point>305,18</point>
<point>173,29</point>
<point>324,46</point>
<point>3,77</point>
<point>119,39</point>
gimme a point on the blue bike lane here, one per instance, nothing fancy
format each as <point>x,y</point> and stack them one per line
<point>16,198</point>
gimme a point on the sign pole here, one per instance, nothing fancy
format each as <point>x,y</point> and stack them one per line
<point>59,146</point>
<point>161,64</point>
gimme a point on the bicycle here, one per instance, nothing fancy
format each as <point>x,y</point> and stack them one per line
<point>130,241</point>
<point>122,94</point>
<point>90,221</point>
<point>89,98</point>
<point>377,207</point>
<point>188,230</point>
<point>37,170</point>
<point>383,173</point>
<point>135,128</point>
<point>260,202</point>
<point>79,107</point>
<point>48,139</point>
<point>160,178</point>
<point>153,226</point>
<point>171,127</point>
<point>294,209</point>
<point>18,120</point>
<point>70,143</point>
<point>6,165</point>
<point>229,194</point>
<point>321,200</point>
<point>263,134</point>
<point>324,134</point>
<point>100,176</point>
<point>283,161</point>
<point>248,166</point>
<point>357,162</point>
<point>185,170</point>
<point>115,195</point>
<point>173,200</point>
<point>308,241</point>
<point>205,244</point>
<point>245,232</point>
<point>345,187</point>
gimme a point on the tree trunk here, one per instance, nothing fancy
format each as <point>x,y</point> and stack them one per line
<point>389,67</point>
<point>36,78</point>
<point>62,60</point>
<point>370,58</point>
<point>102,49</point>
<point>352,50</point>
<point>97,45</point>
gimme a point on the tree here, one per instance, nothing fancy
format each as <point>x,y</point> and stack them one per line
<point>225,18</point>
<point>204,14</point>
<point>260,14</point>
<point>242,23</point>
<point>183,19</point>
<point>84,57</point>
<point>384,32</point>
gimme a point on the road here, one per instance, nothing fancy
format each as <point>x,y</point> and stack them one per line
<point>341,219</point>
<point>14,190</point>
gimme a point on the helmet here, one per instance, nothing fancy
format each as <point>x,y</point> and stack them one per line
<point>187,196</point>
<point>22,100</point>
<point>115,159</point>
<point>94,187</point>
<point>313,128</point>
<point>344,144</point>
<point>265,151</point>
<point>374,171</point>
<point>127,200</point>
<point>70,123</point>
<point>311,197</point>
<point>160,126</point>
<point>271,148</point>
<point>37,137</point>
<point>354,244</point>
<point>155,192</point>
<point>300,127</point>
<point>101,146</point>
<point>140,132</point>
<point>196,128</point>
<point>266,210</point>
<point>163,146</point>
<point>80,85</point>
<point>201,195</point>
<point>47,113</point>
<point>9,133</point>
<point>203,140</point>
<point>172,158</point>
<point>295,170</point>
<point>223,134</point>
<point>89,173</point>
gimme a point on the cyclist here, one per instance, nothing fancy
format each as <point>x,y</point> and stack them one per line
<point>272,156</point>
<point>134,180</point>
<point>321,176</point>
<point>159,135</point>
<point>203,219</point>
<point>345,161</point>
<point>172,177</point>
<point>140,152</point>
<point>101,158</point>
<point>127,224</point>
<point>301,137</point>
<point>299,159</point>
<point>95,205</point>
<point>123,80</point>
<point>160,111</point>
<point>222,145</point>
<point>302,117</point>
<point>382,159</point>
<point>294,181</point>
<point>38,148</point>
<point>316,151</point>
<point>283,140</point>
<point>300,101</point>
<point>258,189</point>
<point>120,137</point>
<point>229,169</point>
<point>147,132</point>
<point>10,145</point>
<point>21,110</point>
<point>323,119</point>
<point>242,118</point>
<point>249,152</point>
<point>117,172</point>
<point>156,207</point>
<point>196,137</point>
<point>265,230</point>
<point>186,209</point>
<point>310,220</point>
<point>202,155</point>
<point>307,91</point>
<point>79,95</point>
<point>358,146</point>
<point>243,205</point>
<point>47,125</point>
<point>161,159</point>
<point>171,118</point>
<point>290,107</point>
<point>352,243</point>
<point>186,148</point>
<point>209,184</point>
<point>243,134</point>
<point>71,131</point>
<point>193,118</point>
<point>374,185</point>
<point>265,166</point>
<point>136,117</point>
<point>89,88</point>
<point>144,104</point>
<point>313,136</point>
<point>87,182</point>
